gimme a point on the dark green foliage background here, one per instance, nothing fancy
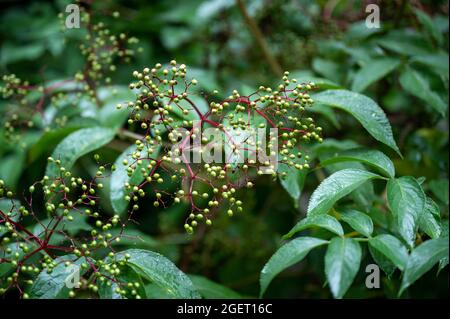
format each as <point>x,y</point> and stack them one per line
<point>211,37</point>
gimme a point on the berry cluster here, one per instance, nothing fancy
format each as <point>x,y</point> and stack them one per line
<point>171,117</point>
<point>189,147</point>
<point>70,228</point>
<point>25,107</point>
<point>73,225</point>
<point>16,91</point>
<point>101,49</point>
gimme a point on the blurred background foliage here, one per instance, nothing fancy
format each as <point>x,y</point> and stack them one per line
<point>403,66</point>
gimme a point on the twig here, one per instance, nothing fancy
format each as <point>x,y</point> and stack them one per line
<point>257,34</point>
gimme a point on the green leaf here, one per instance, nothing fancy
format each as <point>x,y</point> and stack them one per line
<point>342,261</point>
<point>364,195</point>
<point>359,31</point>
<point>361,54</point>
<point>327,113</point>
<point>286,256</point>
<point>441,22</point>
<point>327,68</point>
<point>380,217</point>
<point>207,79</point>
<point>120,177</point>
<point>10,53</point>
<point>358,221</point>
<point>407,202</point>
<point>442,264</point>
<point>373,158</point>
<point>417,85</point>
<point>439,187</point>
<point>381,260</point>
<point>76,145</point>
<point>392,248</point>
<point>323,221</point>
<point>444,227</point>
<point>336,186</point>
<point>11,167</point>
<point>438,62</point>
<point>422,259</point>
<point>107,290</point>
<point>364,109</point>
<point>372,72</point>
<point>48,140</point>
<point>211,290</point>
<point>421,180</point>
<point>293,181</point>
<point>405,42</point>
<point>198,100</point>
<point>430,220</point>
<point>71,227</point>
<point>331,145</point>
<point>154,291</point>
<point>444,234</point>
<point>53,285</point>
<point>133,237</point>
<point>109,115</point>
<point>173,37</point>
<point>161,271</point>
<point>429,26</point>
<point>79,111</point>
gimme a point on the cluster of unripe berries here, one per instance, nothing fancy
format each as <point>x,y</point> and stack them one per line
<point>166,102</point>
<point>4,191</point>
<point>25,252</point>
<point>101,49</point>
<point>66,197</point>
<point>13,86</point>
<point>14,115</point>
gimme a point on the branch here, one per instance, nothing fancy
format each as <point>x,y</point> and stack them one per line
<point>257,34</point>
